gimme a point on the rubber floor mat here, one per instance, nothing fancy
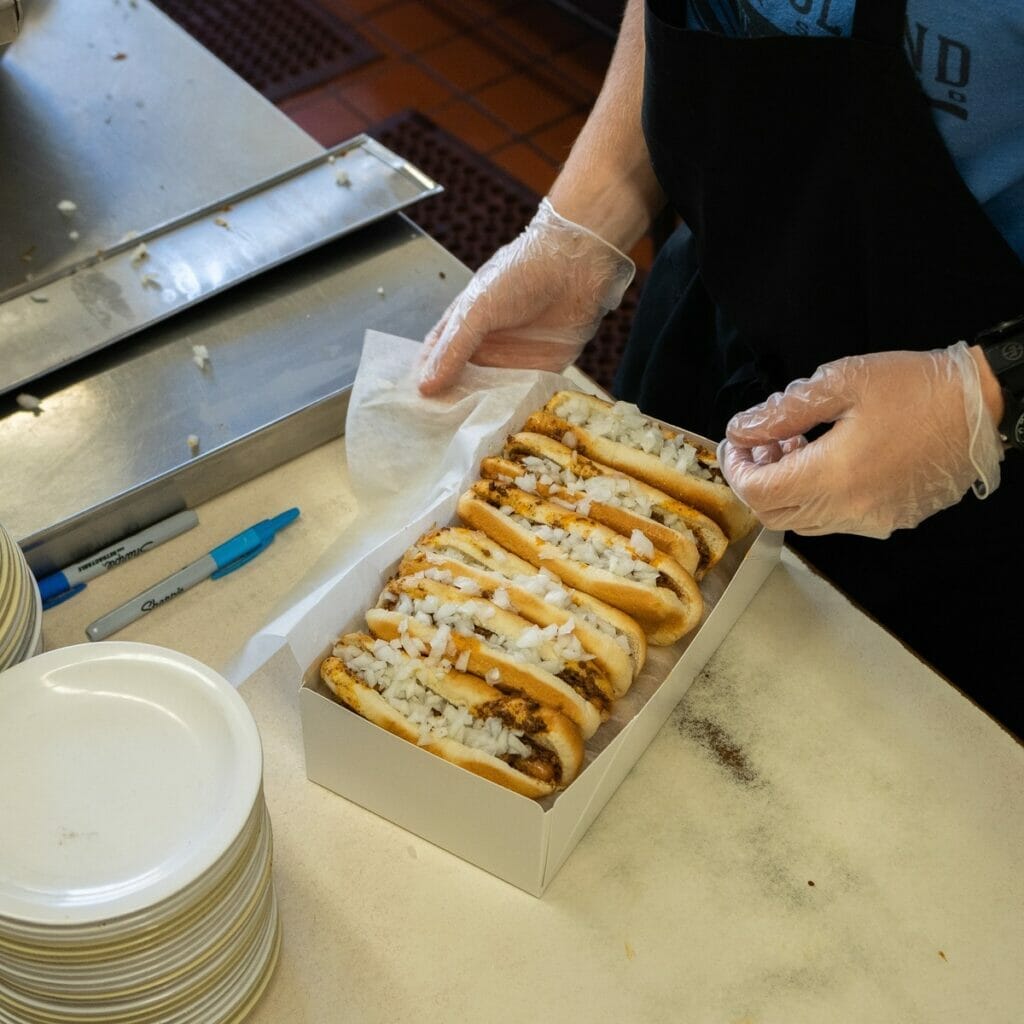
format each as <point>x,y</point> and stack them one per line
<point>279,47</point>
<point>480,210</point>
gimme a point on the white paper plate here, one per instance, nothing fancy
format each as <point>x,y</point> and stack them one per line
<point>115,938</point>
<point>226,982</point>
<point>191,984</point>
<point>20,607</point>
<point>159,953</point>
<point>128,771</point>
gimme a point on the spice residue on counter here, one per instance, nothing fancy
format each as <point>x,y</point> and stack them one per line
<point>717,742</point>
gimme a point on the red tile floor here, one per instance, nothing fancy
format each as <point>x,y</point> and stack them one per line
<point>512,80</point>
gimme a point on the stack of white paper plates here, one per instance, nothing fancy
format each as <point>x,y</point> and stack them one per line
<point>21,610</point>
<point>135,846</point>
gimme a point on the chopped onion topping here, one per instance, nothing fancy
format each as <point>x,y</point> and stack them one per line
<point>618,492</point>
<point>466,585</point>
<point>549,588</point>
<point>545,648</point>
<point>625,424</point>
<point>399,680</point>
<point>439,643</point>
<point>590,550</point>
<point>641,544</point>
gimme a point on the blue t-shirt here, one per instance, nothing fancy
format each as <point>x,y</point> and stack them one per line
<point>969,58</point>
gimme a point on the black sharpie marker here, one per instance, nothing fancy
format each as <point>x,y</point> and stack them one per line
<point>59,586</point>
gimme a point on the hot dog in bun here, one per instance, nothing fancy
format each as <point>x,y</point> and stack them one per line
<point>512,741</point>
<point>620,436</point>
<point>478,566</point>
<point>628,573</point>
<point>436,620</point>
<point>544,466</point>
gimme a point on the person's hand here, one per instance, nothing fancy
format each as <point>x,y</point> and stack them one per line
<point>910,435</point>
<point>535,303</point>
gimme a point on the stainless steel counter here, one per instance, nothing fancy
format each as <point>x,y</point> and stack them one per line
<point>135,141</point>
<point>109,104</point>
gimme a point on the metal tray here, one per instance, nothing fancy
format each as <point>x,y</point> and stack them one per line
<point>79,309</point>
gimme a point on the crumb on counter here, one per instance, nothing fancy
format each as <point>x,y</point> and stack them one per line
<point>201,356</point>
<point>38,297</point>
<point>140,253</point>
<point>150,281</point>
<point>73,235</point>
<point>343,179</point>
<point>193,443</point>
<point>29,403</point>
<point>67,207</point>
<point>380,290</point>
<point>221,222</point>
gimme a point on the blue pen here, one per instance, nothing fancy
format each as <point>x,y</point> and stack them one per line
<point>223,559</point>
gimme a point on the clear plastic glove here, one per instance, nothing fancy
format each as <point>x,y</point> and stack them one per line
<point>911,434</point>
<point>535,303</point>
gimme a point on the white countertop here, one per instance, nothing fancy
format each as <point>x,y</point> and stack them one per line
<point>812,749</point>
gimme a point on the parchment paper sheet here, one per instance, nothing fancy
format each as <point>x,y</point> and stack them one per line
<point>405,452</point>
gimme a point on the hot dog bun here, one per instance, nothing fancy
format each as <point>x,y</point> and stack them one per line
<point>512,741</point>
<point>621,437</point>
<point>607,496</point>
<point>649,586</point>
<point>514,655</point>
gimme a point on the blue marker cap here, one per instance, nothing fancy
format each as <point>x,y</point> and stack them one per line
<point>53,586</point>
<point>234,553</point>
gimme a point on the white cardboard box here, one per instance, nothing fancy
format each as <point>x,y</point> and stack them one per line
<point>521,840</point>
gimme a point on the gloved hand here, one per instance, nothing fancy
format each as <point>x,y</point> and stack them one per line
<point>535,303</point>
<point>911,434</point>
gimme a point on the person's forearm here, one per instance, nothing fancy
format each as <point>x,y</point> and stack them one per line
<point>607,184</point>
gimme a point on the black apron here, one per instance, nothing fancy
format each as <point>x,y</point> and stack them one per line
<point>825,217</point>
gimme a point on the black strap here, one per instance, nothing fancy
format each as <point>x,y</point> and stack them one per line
<point>880,21</point>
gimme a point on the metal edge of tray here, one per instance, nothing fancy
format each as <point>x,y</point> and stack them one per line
<point>191,485</point>
<point>52,321</point>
